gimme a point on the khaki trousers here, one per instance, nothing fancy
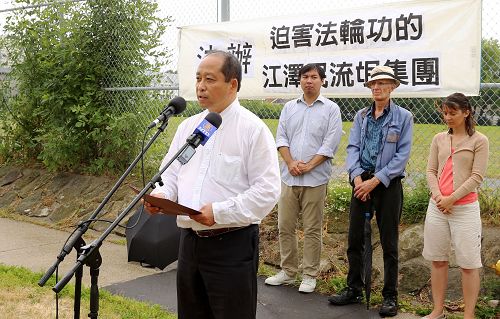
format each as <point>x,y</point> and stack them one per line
<point>310,203</point>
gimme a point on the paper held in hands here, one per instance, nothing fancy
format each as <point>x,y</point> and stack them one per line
<point>167,206</point>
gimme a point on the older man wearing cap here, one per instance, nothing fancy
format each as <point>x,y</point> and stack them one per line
<point>377,154</point>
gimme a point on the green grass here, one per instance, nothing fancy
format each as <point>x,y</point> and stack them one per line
<point>422,137</point>
<point>20,285</point>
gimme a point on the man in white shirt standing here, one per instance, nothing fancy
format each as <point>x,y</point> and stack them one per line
<point>233,180</point>
<point>309,132</point>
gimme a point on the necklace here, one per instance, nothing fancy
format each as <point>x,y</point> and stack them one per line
<point>457,139</point>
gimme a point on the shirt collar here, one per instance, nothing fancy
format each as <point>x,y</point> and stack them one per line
<point>387,109</point>
<point>320,98</point>
<point>228,111</point>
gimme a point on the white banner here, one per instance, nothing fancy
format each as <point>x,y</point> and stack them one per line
<point>433,46</point>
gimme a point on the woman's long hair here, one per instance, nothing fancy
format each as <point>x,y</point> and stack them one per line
<point>458,101</point>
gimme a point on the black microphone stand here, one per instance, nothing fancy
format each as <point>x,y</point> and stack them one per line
<point>93,262</point>
<point>75,241</point>
<point>91,251</point>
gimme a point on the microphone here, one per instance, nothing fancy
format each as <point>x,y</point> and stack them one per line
<point>201,134</point>
<point>207,127</point>
<point>176,105</point>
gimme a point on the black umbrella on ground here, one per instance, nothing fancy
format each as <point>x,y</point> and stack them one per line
<point>153,239</point>
<point>367,255</point>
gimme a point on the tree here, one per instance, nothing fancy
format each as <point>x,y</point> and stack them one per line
<point>62,56</point>
<point>490,61</point>
<point>488,104</point>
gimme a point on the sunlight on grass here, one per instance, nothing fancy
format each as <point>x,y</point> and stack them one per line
<point>22,298</point>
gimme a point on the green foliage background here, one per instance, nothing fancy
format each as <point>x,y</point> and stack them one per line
<point>62,56</point>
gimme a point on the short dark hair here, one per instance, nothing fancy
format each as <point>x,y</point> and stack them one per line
<point>312,66</point>
<point>231,68</point>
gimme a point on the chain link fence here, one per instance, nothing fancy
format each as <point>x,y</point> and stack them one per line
<point>487,103</point>
<point>129,95</point>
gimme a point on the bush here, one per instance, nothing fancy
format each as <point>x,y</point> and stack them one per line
<point>192,108</point>
<point>415,202</point>
<point>61,56</point>
<point>263,109</point>
<point>490,205</point>
<point>118,141</point>
<point>338,198</point>
<point>416,199</point>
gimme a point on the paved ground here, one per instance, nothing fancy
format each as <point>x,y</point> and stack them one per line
<point>36,248</point>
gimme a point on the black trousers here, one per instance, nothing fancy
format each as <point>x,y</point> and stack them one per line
<point>387,202</point>
<point>217,276</point>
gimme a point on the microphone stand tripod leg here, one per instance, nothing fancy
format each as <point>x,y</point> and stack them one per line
<point>94,293</point>
<point>78,292</point>
<point>94,263</point>
<point>78,279</point>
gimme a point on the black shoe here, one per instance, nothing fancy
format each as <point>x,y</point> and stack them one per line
<point>389,307</point>
<point>347,296</point>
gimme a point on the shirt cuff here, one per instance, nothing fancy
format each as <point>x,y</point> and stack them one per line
<point>383,179</point>
<point>166,195</point>
<point>282,143</point>
<point>220,209</point>
<point>325,151</point>
<point>356,172</point>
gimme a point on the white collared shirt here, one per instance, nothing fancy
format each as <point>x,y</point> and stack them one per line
<point>236,170</point>
<point>309,130</point>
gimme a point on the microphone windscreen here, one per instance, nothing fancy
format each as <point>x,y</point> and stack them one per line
<point>178,103</point>
<point>214,118</point>
<point>208,126</point>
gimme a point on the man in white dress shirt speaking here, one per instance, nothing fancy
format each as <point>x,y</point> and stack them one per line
<point>234,181</point>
